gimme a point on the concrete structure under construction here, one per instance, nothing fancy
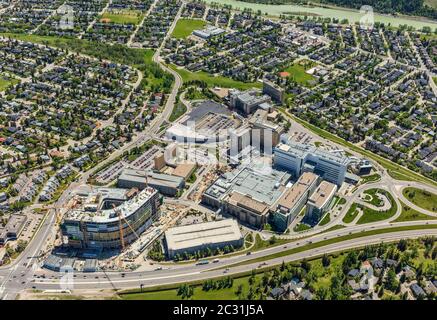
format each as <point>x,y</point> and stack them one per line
<point>198,237</point>
<point>94,222</point>
<point>293,201</point>
<point>298,158</point>
<point>166,184</point>
<point>248,192</point>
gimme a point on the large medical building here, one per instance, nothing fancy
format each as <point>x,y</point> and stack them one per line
<point>95,223</point>
<point>247,193</point>
<point>298,158</point>
<point>293,200</point>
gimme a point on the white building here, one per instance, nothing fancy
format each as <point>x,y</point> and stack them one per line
<point>198,237</point>
<point>298,158</point>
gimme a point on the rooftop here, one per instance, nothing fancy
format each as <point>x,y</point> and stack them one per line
<point>290,198</point>
<point>322,194</point>
<point>262,184</point>
<point>303,150</point>
<point>202,233</point>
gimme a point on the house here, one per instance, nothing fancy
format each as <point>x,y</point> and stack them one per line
<point>277,292</point>
<point>306,295</point>
<point>430,287</point>
<point>417,290</point>
<point>354,285</point>
<point>353,273</point>
<point>377,263</point>
<point>391,263</point>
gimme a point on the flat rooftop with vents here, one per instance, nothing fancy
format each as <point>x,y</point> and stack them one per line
<point>213,235</point>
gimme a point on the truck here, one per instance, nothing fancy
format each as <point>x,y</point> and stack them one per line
<point>201,262</point>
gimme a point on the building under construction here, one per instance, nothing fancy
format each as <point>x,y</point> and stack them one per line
<point>109,218</point>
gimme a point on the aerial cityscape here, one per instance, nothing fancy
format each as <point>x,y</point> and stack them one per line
<point>218,150</point>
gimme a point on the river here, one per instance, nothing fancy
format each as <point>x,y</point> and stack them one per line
<point>338,13</point>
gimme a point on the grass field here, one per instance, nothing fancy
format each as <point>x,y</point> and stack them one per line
<point>298,73</point>
<point>351,214</point>
<point>325,219</point>
<point>199,294</point>
<point>213,81</point>
<point>370,215</point>
<point>178,110</point>
<point>301,227</point>
<point>421,198</point>
<point>371,178</point>
<point>431,3</point>
<point>409,214</point>
<point>184,27</point>
<point>6,83</point>
<point>123,17</point>
<point>393,168</point>
<point>372,198</point>
<point>435,80</point>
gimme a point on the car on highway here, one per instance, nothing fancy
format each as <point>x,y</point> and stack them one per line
<point>215,260</point>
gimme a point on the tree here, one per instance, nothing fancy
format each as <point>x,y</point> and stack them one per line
<point>402,245</point>
<point>326,261</point>
<point>381,291</point>
<point>322,293</point>
<point>239,290</point>
<point>391,282</point>
<point>305,265</point>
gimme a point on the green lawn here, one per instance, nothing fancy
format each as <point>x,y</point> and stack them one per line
<point>393,168</point>
<point>301,227</point>
<point>199,294</point>
<point>342,201</point>
<point>184,27</point>
<point>214,81</point>
<point>372,198</point>
<point>7,82</point>
<point>370,215</point>
<point>431,3</point>
<point>123,17</point>
<point>409,214</point>
<point>371,178</point>
<point>298,73</point>
<point>351,214</point>
<point>325,219</point>
<point>421,198</point>
<point>435,80</point>
<point>395,174</point>
<point>178,110</point>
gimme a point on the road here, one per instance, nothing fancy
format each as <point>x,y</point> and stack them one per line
<point>192,272</point>
<point>23,272</point>
<point>16,276</point>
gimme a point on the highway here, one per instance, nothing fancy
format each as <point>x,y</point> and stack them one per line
<point>199,272</point>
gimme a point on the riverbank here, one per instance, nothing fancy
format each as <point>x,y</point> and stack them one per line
<point>327,11</point>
